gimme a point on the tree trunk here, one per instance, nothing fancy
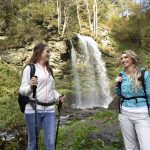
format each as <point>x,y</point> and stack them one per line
<point>78,14</point>
<point>89,15</point>
<point>140,23</point>
<point>59,15</point>
<point>95,18</point>
<point>65,22</point>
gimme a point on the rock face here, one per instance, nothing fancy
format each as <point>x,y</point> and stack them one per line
<point>19,57</point>
<point>15,57</point>
<point>59,48</point>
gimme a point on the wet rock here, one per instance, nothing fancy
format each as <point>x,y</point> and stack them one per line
<point>16,139</point>
<point>108,134</point>
<point>79,114</point>
<point>114,105</point>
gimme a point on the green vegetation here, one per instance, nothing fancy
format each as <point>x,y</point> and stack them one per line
<point>77,135</point>
<point>9,110</point>
<point>25,23</point>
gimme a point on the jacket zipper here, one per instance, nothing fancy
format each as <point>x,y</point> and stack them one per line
<point>46,82</point>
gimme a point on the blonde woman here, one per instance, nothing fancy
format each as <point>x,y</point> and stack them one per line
<point>133,86</point>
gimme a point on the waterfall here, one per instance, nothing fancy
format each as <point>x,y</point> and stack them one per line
<point>75,77</point>
<point>90,75</point>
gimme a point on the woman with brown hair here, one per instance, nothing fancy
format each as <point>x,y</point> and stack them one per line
<point>46,95</point>
<point>133,86</point>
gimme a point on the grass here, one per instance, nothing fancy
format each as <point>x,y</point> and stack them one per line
<point>108,117</point>
<point>76,136</point>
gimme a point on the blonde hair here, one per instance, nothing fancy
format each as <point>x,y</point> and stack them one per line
<point>136,74</point>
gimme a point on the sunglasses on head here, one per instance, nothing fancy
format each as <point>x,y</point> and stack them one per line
<point>48,51</point>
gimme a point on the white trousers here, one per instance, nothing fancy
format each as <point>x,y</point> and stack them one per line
<point>135,129</point>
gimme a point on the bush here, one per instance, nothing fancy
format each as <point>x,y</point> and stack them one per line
<point>10,115</point>
<point>146,38</point>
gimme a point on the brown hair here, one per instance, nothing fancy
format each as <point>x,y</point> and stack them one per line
<point>37,52</point>
<point>136,75</point>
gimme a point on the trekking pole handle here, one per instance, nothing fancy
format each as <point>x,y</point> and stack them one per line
<point>118,83</point>
<point>34,87</point>
<point>60,103</point>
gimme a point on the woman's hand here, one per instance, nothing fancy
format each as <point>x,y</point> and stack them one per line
<point>34,81</point>
<point>62,97</point>
<point>119,79</point>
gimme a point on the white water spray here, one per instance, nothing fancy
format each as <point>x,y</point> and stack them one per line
<point>75,76</point>
<point>91,82</point>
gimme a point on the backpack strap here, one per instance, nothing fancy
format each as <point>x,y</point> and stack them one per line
<point>144,87</point>
<point>32,72</point>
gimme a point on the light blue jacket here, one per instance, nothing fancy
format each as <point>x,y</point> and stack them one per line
<point>128,90</point>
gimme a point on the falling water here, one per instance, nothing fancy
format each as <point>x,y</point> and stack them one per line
<point>75,76</point>
<point>90,75</point>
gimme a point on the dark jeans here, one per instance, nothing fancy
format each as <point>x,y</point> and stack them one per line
<point>48,122</point>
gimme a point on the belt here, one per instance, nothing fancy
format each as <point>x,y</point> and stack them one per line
<point>42,104</point>
<point>131,98</point>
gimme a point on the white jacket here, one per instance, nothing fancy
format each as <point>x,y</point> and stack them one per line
<point>45,89</point>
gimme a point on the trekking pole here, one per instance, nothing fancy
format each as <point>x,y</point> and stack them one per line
<point>120,103</point>
<point>35,124</point>
<point>58,122</point>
